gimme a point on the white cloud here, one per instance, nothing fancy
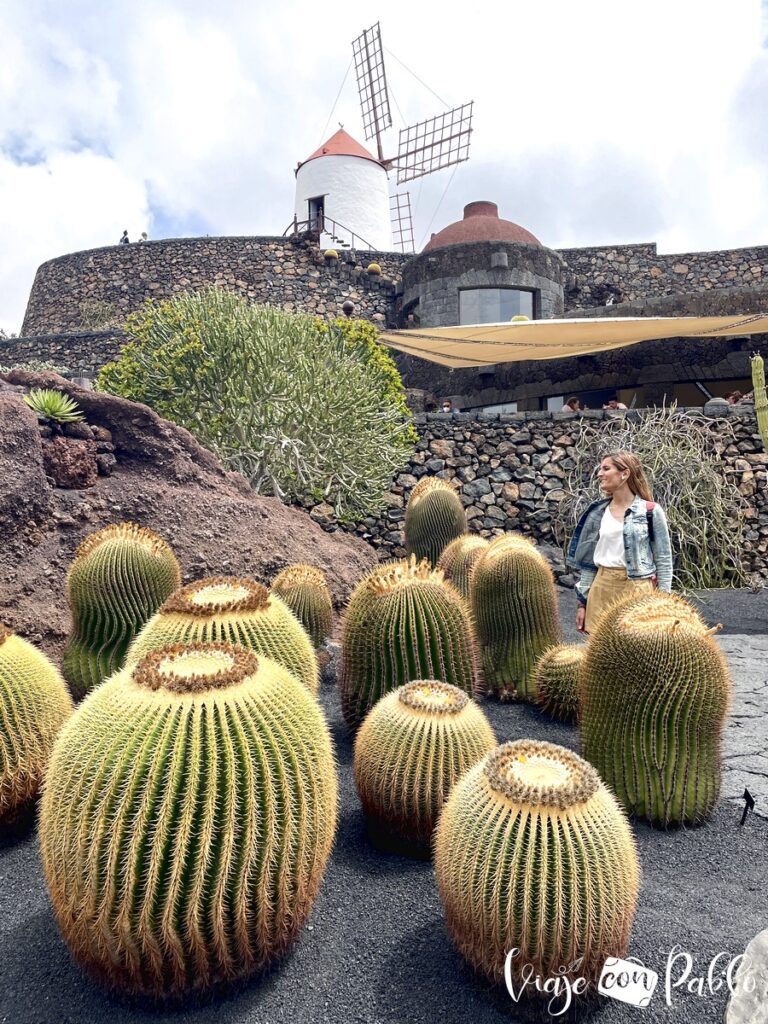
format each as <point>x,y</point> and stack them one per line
<point>595,122</point>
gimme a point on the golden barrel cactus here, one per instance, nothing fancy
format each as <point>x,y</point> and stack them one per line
<point>535,859</point>
<point>239,611</point>
<point>119,578</point>
<point>305,590</point>
<point>556,681</point>
<point>411,749</point>
<point>514,605</point>
<point>403,623</point>
<point>655,693</point>
<point>187,819</point>
<point>34,704</point>
<point>458,560</point>
<point>434,516</point>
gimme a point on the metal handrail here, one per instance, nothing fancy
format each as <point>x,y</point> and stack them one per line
<point>319,226</point>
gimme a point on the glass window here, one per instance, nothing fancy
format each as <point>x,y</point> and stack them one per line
<point>493,305</point>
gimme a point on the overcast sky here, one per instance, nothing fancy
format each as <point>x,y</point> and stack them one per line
<point>595,122</point>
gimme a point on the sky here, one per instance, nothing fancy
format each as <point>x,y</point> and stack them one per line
<point>595,122</point>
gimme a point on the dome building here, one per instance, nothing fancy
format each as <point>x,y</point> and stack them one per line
<point>342,194</point>
<point>482,269</point>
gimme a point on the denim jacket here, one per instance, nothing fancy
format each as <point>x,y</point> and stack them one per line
<point>644,559</point>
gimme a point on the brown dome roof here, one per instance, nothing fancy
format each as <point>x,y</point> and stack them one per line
<point>481,223</point>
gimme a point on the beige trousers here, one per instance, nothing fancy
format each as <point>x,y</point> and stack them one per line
<point>608,586</point>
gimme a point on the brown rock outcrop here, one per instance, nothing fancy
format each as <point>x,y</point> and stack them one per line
<point>162,479</point>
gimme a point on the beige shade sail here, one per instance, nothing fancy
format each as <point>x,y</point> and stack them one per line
<point>487,344</point>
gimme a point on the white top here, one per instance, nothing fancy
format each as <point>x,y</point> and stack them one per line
<point>609,550</point>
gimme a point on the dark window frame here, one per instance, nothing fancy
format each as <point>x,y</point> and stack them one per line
<point>535,293</point>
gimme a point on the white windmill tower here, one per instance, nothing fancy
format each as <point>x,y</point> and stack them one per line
<point>342,190</point>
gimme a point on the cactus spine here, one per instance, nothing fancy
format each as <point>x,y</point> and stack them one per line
<point>403,623</point>
<point>119,578</point>
<point>556,681</point>
<point>532,853</point>
<point>655,693</point>
<point>34,704</point>
<point>433,517</point>
<point>514,605</point>
<point>238,611</point>
<point>761,401</point>
<point>458,561</point>
<point>305,590</point>
<point>411,749</point>
<point>187,819</point>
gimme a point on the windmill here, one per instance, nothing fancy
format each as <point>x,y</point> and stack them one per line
<point>423,148</point>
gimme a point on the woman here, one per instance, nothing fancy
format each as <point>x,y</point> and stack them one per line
<point>621,542</point>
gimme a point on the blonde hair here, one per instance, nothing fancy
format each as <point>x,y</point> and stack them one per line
<point>636,480</point>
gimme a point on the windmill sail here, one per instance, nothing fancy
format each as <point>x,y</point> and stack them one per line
<point>372,84</point>
<point>438,142</point>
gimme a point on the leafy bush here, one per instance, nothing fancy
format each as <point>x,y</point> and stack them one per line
<point>37,366</point>
<point>53,405</point>
<point>704,509</point>
<point>303,408</point>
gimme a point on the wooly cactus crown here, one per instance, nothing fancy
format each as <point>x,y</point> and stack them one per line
<point>187,819</point>
<point>411,749</point>
<point>119,578</point>
<point>403,623</point>
<point>533,853</point>
<point>655,692</point>
<point>514,604</point>
<point>305,590</point>
<point>458,560</point>
<point>556,681</point>
<point>240,611</point>
<point>434,516</point>
<point>34,704</point>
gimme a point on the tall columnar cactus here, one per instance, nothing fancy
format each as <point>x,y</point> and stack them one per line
<point>761,401</point>
<point>34,704</point>
<point>433,517</point>
<point>411,749</point>
<point>533,853</point>
<point>305,590</point>
<point>119,578</point>
<point>514,604</point>
<point>556,681</point>
<point>404,622</point>
<point>655,692</point>
<point>458,560</point>
<point>238,611</point>
<point>187,819</point>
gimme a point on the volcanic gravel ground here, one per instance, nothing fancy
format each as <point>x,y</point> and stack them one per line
<point>376,949</point>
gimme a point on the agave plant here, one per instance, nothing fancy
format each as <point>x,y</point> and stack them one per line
<point>53,405</point>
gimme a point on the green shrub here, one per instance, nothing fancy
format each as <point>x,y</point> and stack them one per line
<point>53,405</point>
<point>302,407</point>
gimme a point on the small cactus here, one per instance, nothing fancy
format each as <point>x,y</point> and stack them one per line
<point>404,622</point>
<point>514,605</point>
<point>533,853</point>
<point>240,611</point>
<point>119,578</point>
<point>374,268</point>
<point>434,516</point>
<point>187,819</point>
<point>458,560</point>
<point>556,681</point>
<point>34,704</point>
<point>331,254</point>
<point>304,589</point>
<point>411,749</point>
<point>761,401</point>
<point>654,694</point>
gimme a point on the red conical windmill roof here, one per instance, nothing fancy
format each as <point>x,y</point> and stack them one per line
<point>341,144</point>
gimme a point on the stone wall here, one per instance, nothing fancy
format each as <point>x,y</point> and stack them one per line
<point>509,471</point>
<point>81,354</point>
<point>635,273</point>
<point>99,287</point>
